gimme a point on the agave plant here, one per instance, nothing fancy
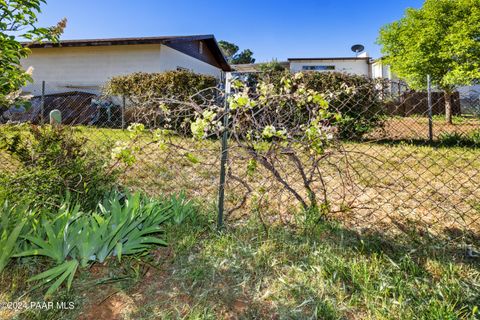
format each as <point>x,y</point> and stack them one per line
<point>61,272</point>
<point>52,238</point>
<point>133,224</point>
<point>76,239</point>
<point>89,233</point>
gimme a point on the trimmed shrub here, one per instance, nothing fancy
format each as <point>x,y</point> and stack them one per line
<point>149,95</point>
<point>179,84</point>
<point>53,162</point>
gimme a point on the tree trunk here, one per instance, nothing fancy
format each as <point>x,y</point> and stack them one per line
<point>448,106</point>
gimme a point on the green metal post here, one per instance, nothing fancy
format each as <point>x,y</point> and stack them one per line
<point>123,113</point>
<point>430,110</point>
<point>223,164</point>
<point>42,105</point>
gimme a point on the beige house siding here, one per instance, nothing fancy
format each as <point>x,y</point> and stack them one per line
<point>88,68</point>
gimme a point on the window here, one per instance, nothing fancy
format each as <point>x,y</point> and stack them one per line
<point>318,68</point>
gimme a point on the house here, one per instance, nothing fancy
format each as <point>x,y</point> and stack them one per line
<point>381,70</point>
<point>352,65</point>
<point>85,65</point>
<point>360,65</point>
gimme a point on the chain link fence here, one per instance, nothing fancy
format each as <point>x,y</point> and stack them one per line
<point>391,165</point>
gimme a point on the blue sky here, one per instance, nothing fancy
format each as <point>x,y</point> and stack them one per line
<point>271,29</point>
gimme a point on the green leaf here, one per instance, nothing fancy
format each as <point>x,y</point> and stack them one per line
<point>192,158</point>
<point>60,273</point>
<point>71,268</point>
<point>118,249</point>
<point>8,244</point>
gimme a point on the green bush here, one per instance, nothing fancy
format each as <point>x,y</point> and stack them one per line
<point>144,90</point>
<point>179,84</point>
<point>356,98</point>
<point>452,139</point>
<point>475,137</point>
<point>181,208</point>
<point>272,71</point>
<point>53,162</point>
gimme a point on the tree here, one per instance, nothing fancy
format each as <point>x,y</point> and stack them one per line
<point>230,51</point>
<point>272,67</point>
<point>246,56</point>
<point>442,39</point>
<point>17,21</point>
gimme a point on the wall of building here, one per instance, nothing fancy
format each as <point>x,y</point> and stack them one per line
<point>171,59</point>
<point>88,68</point>
<point>381,70</point>
<point>358,67</point>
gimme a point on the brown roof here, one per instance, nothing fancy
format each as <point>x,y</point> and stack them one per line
<point>209,40</point>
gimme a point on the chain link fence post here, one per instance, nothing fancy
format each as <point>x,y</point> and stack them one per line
<point>42,105</point>
<point>123,112</point>
<point>430,110</point>
<point>224,158</point>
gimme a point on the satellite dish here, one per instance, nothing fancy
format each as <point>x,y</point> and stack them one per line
<point>358,48</point>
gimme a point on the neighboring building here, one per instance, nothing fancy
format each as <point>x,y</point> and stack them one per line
<point>381,70</point>
<point>360,65</point>
<point>352,65</point>
<point>85,65</point>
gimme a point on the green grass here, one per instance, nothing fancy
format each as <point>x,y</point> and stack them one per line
<point>455,119</point>
<point>433,188</point>
<point>245,273</point>
<point>333,272</point>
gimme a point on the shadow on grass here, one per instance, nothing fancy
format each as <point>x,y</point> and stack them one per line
<point>461,143</point>
<point>331,273</point>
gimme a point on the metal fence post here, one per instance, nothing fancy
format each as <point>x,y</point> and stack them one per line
<point>399,91</point>
<point>42,105</point>
<point>430,109</point>
<point>123,112</point>
<point>223,162</point>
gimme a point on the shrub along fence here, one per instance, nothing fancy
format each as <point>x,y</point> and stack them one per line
<point>293,149</point>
